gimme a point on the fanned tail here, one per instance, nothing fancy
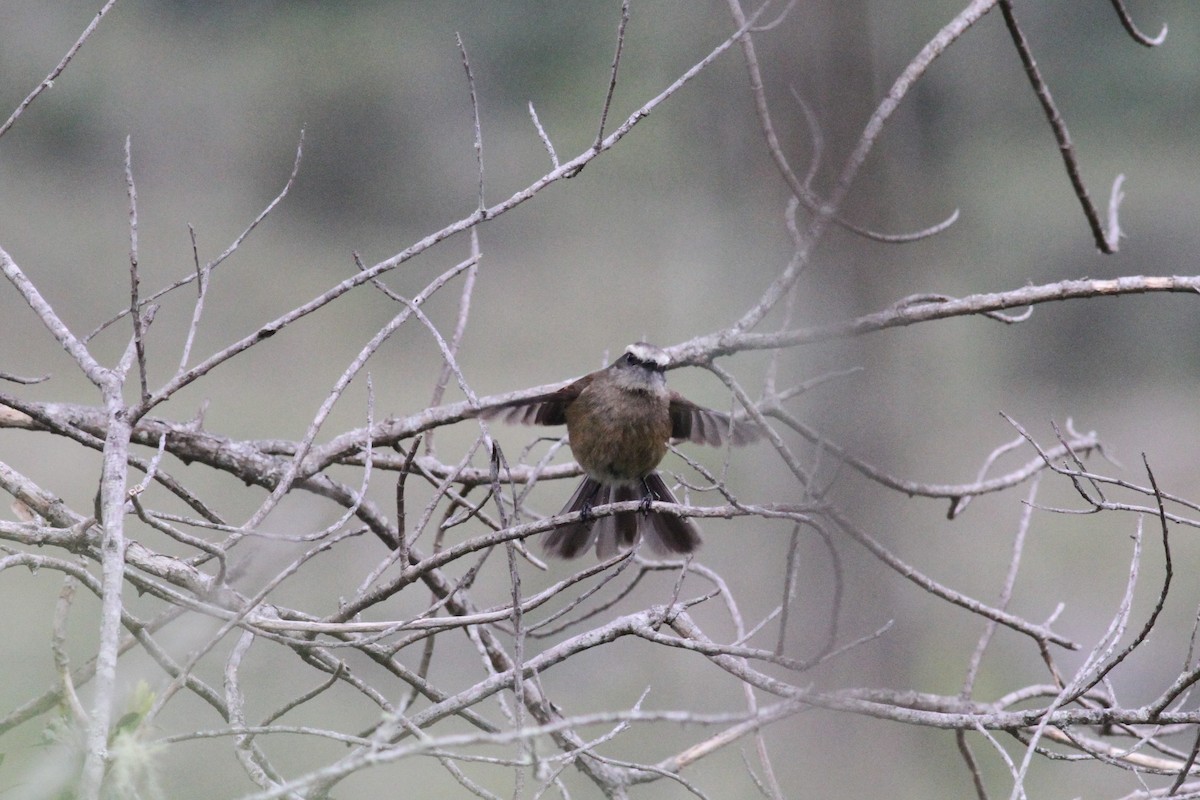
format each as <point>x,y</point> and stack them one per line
<point>666,534</point>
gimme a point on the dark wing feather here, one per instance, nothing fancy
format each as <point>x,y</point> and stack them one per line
<point>542,409</point>
<point>704,426</point>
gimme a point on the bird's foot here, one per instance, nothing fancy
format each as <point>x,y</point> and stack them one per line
<point>647,497</point>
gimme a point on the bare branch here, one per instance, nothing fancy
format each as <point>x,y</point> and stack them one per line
<point>703,349</point>
<point>1132,29</point>
<point>537,123</point>
<point>1106,241</point>
<point>475,115</point>
<point>198,274</point>
<point>58,329</point>
<point>612,79</point>
<point>48,81</point>
<point>139,323</point>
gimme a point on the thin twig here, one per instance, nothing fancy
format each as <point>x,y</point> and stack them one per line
<point>62,661</point>
<point>612,77</point>
<point>1106,241</point>
<point>449,365</point>
<point>1006,590</point>
<point>537,124</point>
<point>229,251</point>
<point>202,280</point>
<point>1168,571</point>
<point>1132,29</point>
<point>48,81</point>
<point>24,381</point>
<point>802,189</point>
<point>466,62</point>
<point>1039,633</point>
<point>968,756</point>
<point>704,349</point>
<point>790,575</point>
<point>295,467</point>
<point>77,349</point>
<point>139,324</point>
<point>874,127</point>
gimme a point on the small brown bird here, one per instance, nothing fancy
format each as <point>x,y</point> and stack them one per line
<point>619,420</point>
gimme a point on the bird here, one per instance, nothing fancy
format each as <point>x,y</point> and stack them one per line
<point>619,421</point>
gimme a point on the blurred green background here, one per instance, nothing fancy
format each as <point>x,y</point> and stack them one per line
<point>672,234</point>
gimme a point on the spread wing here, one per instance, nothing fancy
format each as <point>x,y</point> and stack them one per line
<point>705,426</point>
<point>542,409</point>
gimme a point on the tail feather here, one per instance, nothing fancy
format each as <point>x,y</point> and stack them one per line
<point>668,533</point>
<point>618,531</point>
<point>572,539</point>
<point>665,533</point>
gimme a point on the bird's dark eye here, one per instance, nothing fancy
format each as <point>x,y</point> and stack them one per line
<point>630,360</point>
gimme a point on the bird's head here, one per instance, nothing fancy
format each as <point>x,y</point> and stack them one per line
<point>641,367</point>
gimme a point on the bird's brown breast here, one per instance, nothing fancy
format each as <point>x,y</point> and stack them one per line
<point>618,435</point>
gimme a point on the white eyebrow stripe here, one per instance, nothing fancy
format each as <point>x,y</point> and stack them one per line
<point>645,352</point>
